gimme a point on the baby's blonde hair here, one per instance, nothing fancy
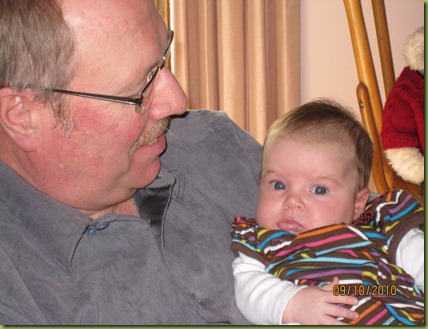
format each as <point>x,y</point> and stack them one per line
<point>325,120</point>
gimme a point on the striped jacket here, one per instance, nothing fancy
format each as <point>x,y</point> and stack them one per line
<point>362,255</point>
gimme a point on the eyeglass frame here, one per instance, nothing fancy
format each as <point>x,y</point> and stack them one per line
<point>127,100</point>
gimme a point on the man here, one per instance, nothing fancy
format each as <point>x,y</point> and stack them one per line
<point>96,227</point>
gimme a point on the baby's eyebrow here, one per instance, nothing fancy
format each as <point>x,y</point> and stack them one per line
<point>329,179</point>
<point>267,172</point>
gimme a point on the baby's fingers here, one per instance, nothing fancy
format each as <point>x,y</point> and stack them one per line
<point>334,314</point>
<point>346,300</point>
<point>337,311</point>
<point>330,285</point>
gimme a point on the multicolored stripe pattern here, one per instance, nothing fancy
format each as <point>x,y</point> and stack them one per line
<point>361,255</point>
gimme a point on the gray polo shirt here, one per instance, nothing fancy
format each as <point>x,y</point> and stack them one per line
<point>171,266</point>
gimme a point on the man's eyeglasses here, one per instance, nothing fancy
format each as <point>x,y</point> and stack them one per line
<point>144,101</point>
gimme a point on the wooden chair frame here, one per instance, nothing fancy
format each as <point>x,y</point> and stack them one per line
<point>368,94</point>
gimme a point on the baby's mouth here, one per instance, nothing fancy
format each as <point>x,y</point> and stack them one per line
<point>290,225</point>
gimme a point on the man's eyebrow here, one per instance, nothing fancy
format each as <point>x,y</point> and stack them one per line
<point>139,81</point>
<point>131,86</point>
<point>143,73</point>
<point>142,76</point>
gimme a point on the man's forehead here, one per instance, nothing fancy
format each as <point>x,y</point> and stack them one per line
<point>119,24</point>
<point>108,15</point>
<point>116,41</point>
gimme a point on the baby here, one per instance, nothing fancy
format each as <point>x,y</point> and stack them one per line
<point>318,253</point>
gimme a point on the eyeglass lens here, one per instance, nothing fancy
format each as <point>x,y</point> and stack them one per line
<point>147,93</point>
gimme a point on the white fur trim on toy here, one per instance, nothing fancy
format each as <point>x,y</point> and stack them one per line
<point>408,163</point>
<point>414,50</point>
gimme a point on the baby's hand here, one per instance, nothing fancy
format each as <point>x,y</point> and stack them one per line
<point>318,306</point>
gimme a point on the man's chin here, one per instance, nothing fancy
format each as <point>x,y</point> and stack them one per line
<point>147,175</point>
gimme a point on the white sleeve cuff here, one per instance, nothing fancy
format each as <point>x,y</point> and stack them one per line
<point>410,255</point>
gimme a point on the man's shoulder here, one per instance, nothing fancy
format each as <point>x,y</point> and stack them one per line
<point>208,151</point>
<point>195,125</point>
<point>209,128</point>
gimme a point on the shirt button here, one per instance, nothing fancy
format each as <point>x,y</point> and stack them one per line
<point>101,225</point>
<point>196,297</point>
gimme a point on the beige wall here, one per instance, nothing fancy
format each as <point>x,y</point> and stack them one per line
<point>328,66</point>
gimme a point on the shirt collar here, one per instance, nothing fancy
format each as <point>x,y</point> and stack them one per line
<point>53,226</point>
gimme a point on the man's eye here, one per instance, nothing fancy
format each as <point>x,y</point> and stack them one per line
<point>151,75</point>
<point>320,190</point>
<point>278,186</point>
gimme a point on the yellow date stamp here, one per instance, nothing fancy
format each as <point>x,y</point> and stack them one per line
<point>360,290</point>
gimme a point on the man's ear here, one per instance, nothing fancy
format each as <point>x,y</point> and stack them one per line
<point>17,117</point>
<point>360,202</point>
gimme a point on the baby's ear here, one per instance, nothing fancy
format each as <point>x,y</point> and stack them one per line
<point>360,202</point>
<point>18,117</point>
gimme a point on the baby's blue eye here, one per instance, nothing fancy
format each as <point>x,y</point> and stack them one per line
<point>279,186</point>
<point>320,190</point>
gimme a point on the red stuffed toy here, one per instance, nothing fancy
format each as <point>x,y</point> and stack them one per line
<point>403,116</point>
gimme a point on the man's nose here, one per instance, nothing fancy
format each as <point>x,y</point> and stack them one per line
<point>169,98</point>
